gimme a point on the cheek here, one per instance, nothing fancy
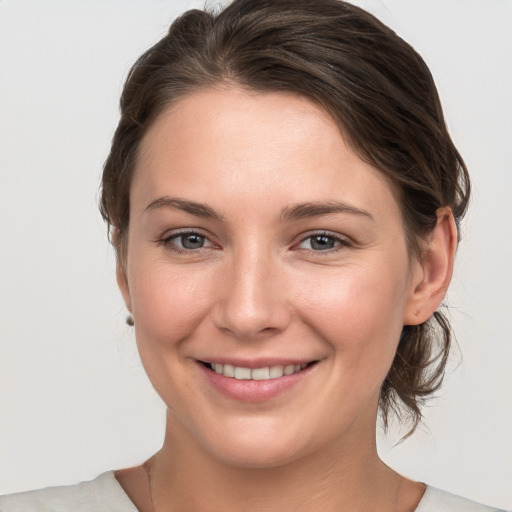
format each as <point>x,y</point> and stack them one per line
<point>168,306</point>
<point>168,302</point>
<point>358,311</point>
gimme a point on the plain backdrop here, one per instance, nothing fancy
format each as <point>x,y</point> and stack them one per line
<point>74,400</point>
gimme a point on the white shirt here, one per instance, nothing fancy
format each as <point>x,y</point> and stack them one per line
<point>104,494</point>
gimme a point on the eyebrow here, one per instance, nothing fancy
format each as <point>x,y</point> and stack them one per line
<point>295,212</point>
<point>307,210</point>
<point>197,209</point>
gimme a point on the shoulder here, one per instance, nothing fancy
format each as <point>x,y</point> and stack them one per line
<point>103,494</point>
<point>435,500</point>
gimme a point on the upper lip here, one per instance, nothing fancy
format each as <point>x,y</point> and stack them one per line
<point>256,363</point>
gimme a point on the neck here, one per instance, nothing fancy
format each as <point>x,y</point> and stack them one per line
<point>186,477</point>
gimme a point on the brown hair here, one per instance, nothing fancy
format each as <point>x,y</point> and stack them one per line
<point>373,84</point>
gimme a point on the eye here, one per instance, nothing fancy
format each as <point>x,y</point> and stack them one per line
<point>186,241</point>
<point>189,240</point>
<point>322,242</point>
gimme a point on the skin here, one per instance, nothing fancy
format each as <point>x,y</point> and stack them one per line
<point>262,287</point>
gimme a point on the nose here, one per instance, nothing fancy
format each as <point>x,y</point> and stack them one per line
<point>252,301</point>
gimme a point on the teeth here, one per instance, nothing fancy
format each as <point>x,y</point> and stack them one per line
<point>242,373</point>
<point>288,370</point>
<point>275,372</point>
<point>260,373</point>
<point>266,373</point>
<point>229,370</point>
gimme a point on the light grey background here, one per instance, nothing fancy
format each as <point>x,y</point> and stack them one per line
<point>74,400</point>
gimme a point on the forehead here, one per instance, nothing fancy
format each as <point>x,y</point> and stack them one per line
<point>241,118</point>
<point>234,144</point>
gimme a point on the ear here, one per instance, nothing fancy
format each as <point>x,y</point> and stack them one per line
<point>432,272</point>
<point>122,282</point>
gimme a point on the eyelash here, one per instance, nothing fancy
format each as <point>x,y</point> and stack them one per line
<point>168,243</point>
<point>340,243</point>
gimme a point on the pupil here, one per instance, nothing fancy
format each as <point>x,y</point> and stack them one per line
<point>322,242</point>
<point>192,241</point>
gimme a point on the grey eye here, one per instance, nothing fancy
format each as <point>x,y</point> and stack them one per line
<point>321,242</point>
<point>190,241</point>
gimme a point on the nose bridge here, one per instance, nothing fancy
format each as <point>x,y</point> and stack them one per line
<point>251,303</point>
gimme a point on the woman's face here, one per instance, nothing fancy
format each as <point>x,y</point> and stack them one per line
<point>261,246</point>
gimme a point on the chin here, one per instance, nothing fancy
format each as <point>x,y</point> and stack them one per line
<point>257,456</point>
<point>256,446</point>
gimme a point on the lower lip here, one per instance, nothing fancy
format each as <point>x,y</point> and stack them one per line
<point>253,391</point>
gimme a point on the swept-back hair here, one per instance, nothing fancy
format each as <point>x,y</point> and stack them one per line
<point>373,84</point>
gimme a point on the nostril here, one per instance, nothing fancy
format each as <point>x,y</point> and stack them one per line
<point>250,305</point>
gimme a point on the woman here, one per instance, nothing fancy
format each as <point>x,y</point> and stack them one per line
<point>283,198</point>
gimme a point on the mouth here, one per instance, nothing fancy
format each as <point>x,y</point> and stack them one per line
<point>263,373</point>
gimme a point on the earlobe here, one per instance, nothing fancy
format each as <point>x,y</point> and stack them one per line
<point>433,272</point>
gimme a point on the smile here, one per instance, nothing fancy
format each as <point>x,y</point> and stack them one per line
<point>252,381</point>
<point>265,373</point>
